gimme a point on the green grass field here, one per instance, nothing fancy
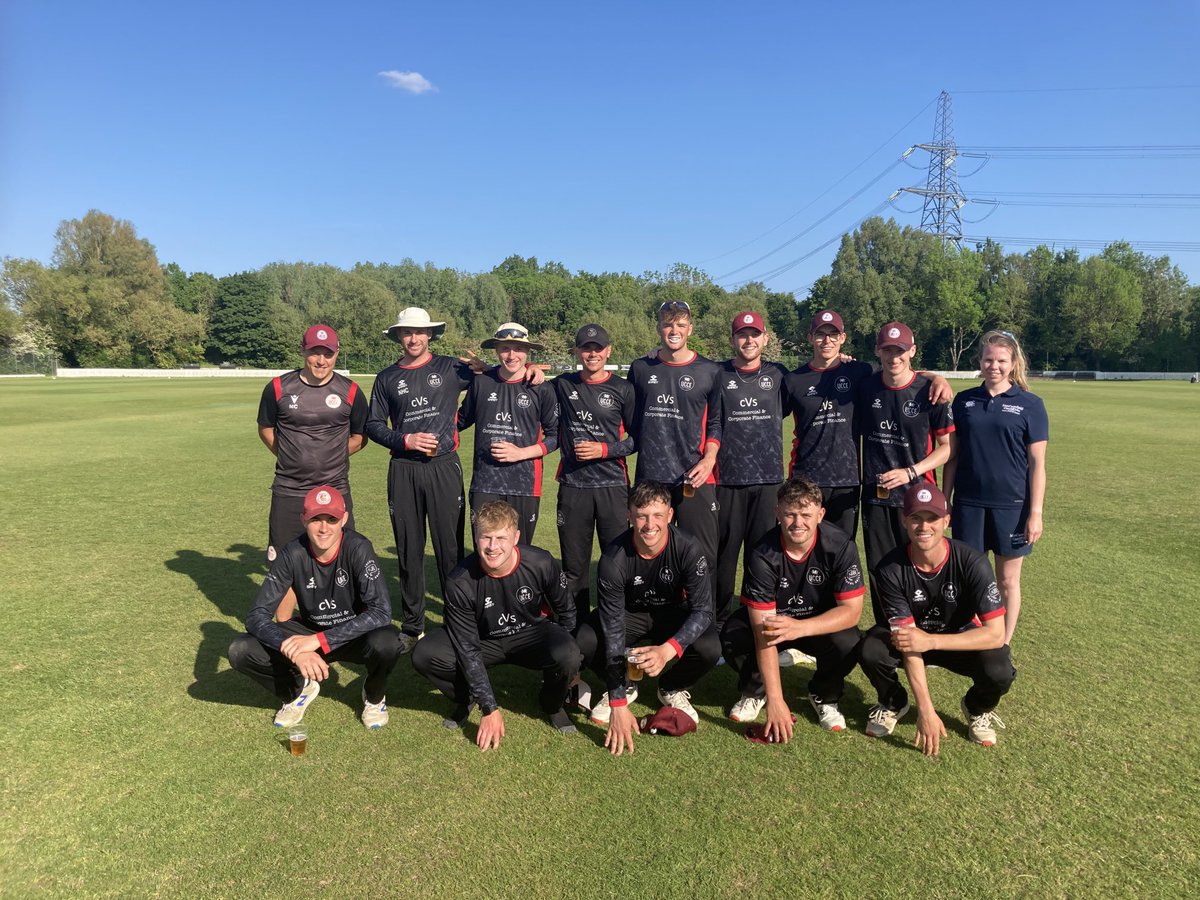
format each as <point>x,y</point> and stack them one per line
<point>136,763</point>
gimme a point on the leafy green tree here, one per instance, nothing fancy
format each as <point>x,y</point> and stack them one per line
<point>1103,306</point>
<point>244,328</point>
<point>958,301</point>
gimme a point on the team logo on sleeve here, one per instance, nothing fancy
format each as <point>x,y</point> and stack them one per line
<point>271,554</point>
<point>854,573</point>
<point>686,383</point>
<point>562,520</point>
<point>333,401</point>
<point>949,593</point>
<point>702,566</point>
<point>523,401</point>
<point>912,409</point>
<point>606,400</point>
<point>666,576</point>
<point>435,380</point>
<point>766,383</point>
<point>371,570</point>
<point>562,579</point>
<point>993,593</point>
<point>524,594</point>
<point>816,577</point>
<point>841,384</point>
<point>341,579</point>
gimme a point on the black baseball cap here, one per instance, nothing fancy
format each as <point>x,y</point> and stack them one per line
<point>592,334</point>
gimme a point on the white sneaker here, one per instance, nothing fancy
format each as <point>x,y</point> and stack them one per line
<point>408,641</point>
<point>681,700</point>
<point>881,721</point>
<point>793,657</point>
<point>602,710</point>
<point>981,727</point>
<point>829,715</point>
<point>291,713</point>
<point>747,708</point>
<point>374,715</point>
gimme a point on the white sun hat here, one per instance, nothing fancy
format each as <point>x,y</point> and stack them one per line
<point>415,317</point>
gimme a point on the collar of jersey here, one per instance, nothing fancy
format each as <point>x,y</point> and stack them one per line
<point>418,366</point>
<point>1013,390</point>
<point>812,368</point>
<point>695,356</point>
<point>666,544</point>
<point>946,544</point>
<point>902,387</point>
<point>333,558</point>
<point>804,558</point>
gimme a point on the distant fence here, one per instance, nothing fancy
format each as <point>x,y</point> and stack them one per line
<point>1118,376</point>
<point>176,373</point>
<point>13,363</point>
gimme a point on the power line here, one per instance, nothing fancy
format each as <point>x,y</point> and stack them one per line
<point>1086,243</point>
<point>867,159</point>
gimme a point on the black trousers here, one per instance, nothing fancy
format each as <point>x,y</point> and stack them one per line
<point>420,492</point>
<point>378,650</point>
<point>545,646</point>
<point>527,513</point>
<point>653,628</point>
<point>582,512</point>
<point>836,655</point>
<point>283,523</point>
<point>841,507</point>
<point>697,515</point>
<point>991,671</point>
<point>745,513</point>
<point>883,531</point>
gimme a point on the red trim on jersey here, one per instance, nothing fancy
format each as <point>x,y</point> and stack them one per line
<point>666,544</point>
<point>675,646</point>
<point>795,444</point>
<point>624,701</point>
<point>456,439</point>
<point>991,615</point>
<point>946,430</point>
<point>850,595</point>
<point>278,382</point>
<point>755,369</point>
<point>906,622</point>
<point>625,469</point>
<point>901,387</point>
<point>604,450</point>
<point>537,465</point>
<point>813,368</point>
<point>558,471</point>
<point>584,380</point>
<point>940,566</point>
<point>807,553</point>
<point>321,640</point>
<point>417,366</point>
<point>333,558</point>
<point>754,604</point>
<point>517,550</point>
<point>350,394</point>
<point>688,363</point>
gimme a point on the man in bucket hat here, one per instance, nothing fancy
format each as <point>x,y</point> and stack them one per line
<point>413,408</point>
<point>313,420</point>
<point>516,425</point>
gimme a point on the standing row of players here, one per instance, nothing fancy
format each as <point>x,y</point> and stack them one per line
<point>709,432</point>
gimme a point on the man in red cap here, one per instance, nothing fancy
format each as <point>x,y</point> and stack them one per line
<point>905,437</point>
<point>343,613</point>
<point>750,460</point>
<point>313,419</point>
<point>943,608</point>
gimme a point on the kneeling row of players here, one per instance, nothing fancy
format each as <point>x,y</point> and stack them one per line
<point>802,596</point>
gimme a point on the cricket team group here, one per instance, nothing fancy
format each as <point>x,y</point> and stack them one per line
<point>712,485</point>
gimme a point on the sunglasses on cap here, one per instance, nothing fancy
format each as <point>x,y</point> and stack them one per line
<point>519,334</point>
<point>675,306</point>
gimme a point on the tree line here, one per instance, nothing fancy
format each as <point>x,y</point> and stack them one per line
<point>105,300</point>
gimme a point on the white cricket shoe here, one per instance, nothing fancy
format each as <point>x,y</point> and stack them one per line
<point>681,700</point>
<point>828,714</point>
<point>291,713</point>
<point>747,708</point>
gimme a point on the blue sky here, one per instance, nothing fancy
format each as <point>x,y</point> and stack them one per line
<point>608,137</point>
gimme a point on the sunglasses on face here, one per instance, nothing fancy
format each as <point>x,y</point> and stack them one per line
<point>512,334</point>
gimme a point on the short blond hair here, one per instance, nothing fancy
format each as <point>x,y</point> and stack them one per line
<point>495,515</point>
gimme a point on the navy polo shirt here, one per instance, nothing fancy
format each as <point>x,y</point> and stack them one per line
<point>994,434</point>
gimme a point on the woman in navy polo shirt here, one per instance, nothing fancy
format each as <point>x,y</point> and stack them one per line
<point>996,478</point>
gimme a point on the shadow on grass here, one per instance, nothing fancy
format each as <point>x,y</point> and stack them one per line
<point>227,583</point>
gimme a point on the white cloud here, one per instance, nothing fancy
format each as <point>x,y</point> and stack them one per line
<point>413,82</point>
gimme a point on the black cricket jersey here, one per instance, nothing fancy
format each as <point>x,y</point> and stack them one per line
<point>340,600</point>
<point>751,424</point>
<point>481,607</point>
<point>513,411</point>
<point>678,412</point>
<point>415,399</point>
<point>594,411</point>
<point>961,594</point>
<point>898,428</point>
<point>821,403</point>
<point>828,574</point>
<point>313,424</point>
<point>678,577</point>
